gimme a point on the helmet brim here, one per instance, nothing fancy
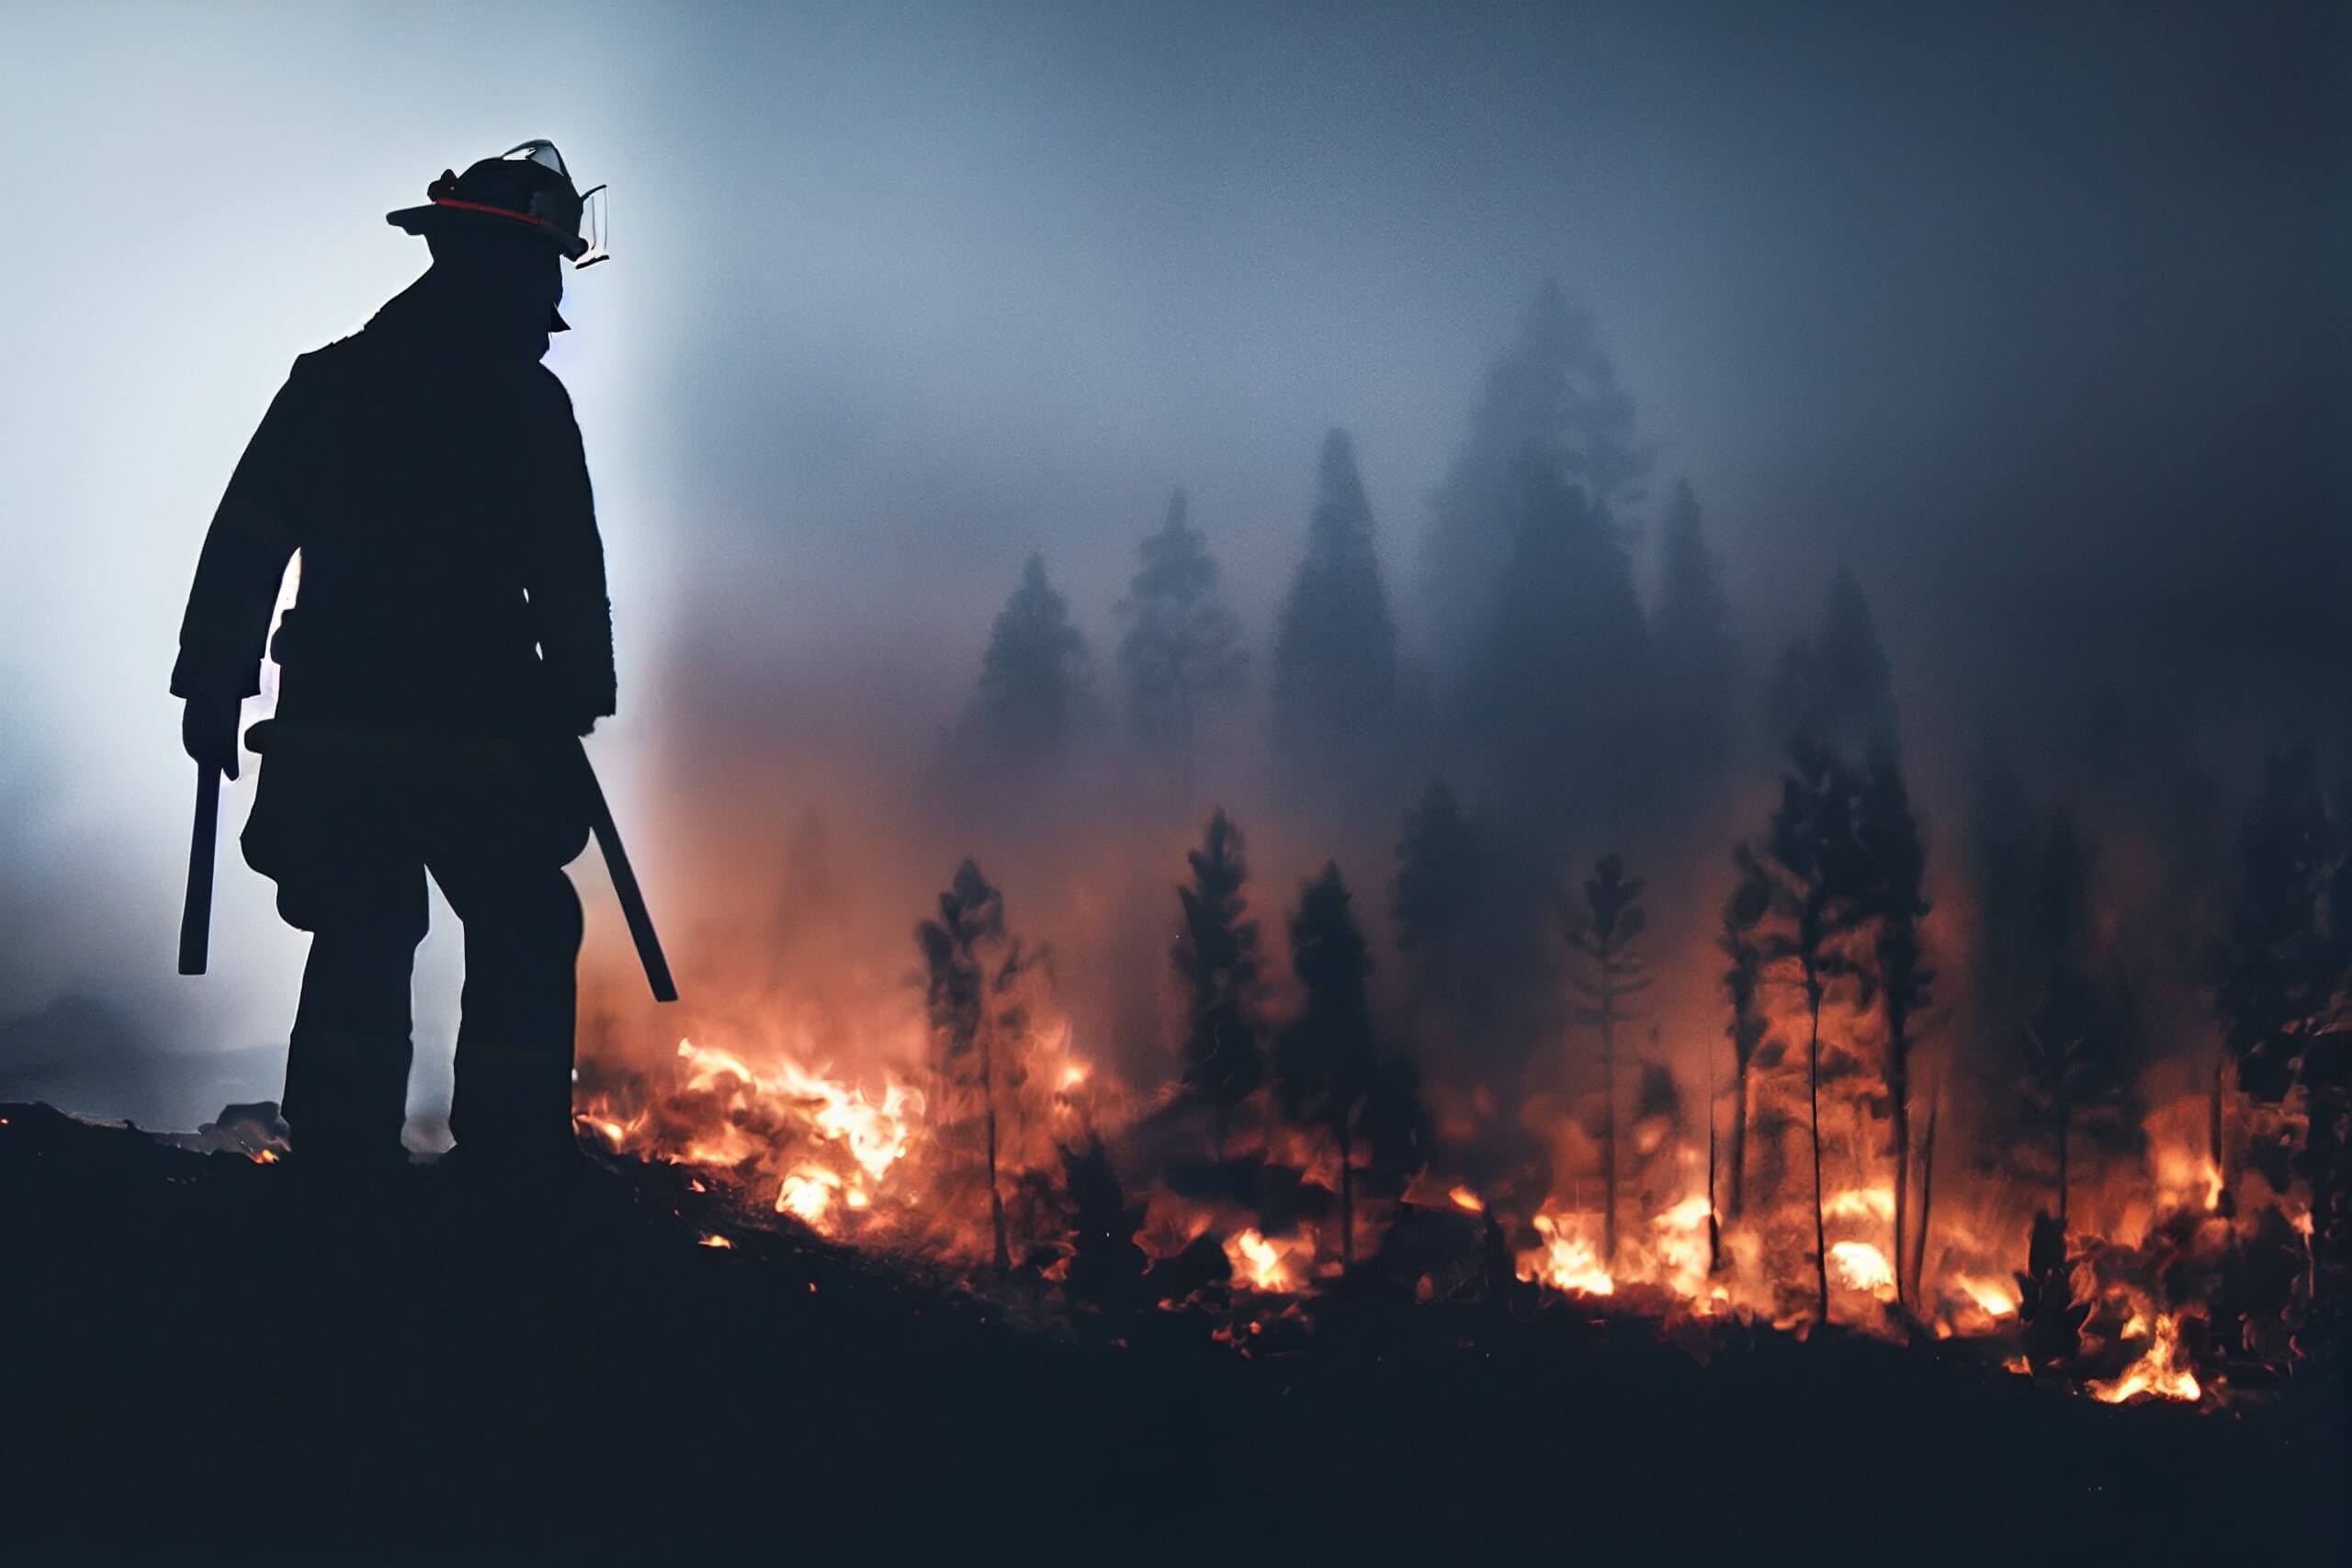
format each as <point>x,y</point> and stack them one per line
<point>434,218</point>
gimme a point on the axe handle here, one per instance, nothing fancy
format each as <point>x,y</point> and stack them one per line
<point>624,888</point>
<point>196,915</point>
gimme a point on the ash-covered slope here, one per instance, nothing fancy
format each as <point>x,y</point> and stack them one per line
<point>203,1364</point>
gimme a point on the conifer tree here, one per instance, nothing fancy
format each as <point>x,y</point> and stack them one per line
<point>1442,876</point>
<point>1216,958</point>
<point>1335,642</point>
<point>973,970</point>
<point>1896,867</point>
<point>1820,882</point>
<point>2080,1039</point>
<point>1324,1065</point>
<point>1837,686</point>
<point>1033,676</point>
<point>1181,651</point>
<point>2278,967</point>
<point>1553,698</point>
<point>1747,943</point>
<point>1604,931</point>
<point>1695,659</point>
<point>1555,389</point>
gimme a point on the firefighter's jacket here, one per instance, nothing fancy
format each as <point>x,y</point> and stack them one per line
<point>452,580</point>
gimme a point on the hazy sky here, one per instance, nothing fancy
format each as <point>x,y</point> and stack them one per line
<point>2036,315</point>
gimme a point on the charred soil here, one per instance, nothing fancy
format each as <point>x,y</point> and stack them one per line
<point>210,1361</point>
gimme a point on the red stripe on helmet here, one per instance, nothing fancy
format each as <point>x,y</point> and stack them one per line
<point>496,212</point>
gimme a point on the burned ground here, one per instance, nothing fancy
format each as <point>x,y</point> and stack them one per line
<point>212,1367</point>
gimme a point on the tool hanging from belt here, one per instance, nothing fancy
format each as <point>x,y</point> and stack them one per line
<point>196,913</point>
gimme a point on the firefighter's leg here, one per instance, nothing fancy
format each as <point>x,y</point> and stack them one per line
<point>347,1060</point>
<point>348,872</point>
<point>513,1070</point>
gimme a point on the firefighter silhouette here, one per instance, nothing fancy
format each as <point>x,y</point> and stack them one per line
<point>449,641</point>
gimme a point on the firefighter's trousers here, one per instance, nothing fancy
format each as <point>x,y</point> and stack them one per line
<point>349,827</point>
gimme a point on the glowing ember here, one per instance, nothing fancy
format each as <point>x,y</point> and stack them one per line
<point>2161,1372</point>
<point>1464,1199</point>
<point>1861,1203</point>
<point>717,1241</point>
<point>1261,1265</point>
<point>1567,1260</point>
<point>807,1195</point>
<point>1995,1298</point>
<point>1859,1266</point>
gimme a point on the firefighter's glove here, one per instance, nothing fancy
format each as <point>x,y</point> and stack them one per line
<point>208,730</point>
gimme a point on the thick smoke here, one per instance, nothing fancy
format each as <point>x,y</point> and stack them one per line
<point>1529,380</point>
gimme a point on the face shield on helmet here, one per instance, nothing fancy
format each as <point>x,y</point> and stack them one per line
<point>587,223</point>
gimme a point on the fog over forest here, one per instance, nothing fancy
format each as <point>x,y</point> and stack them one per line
<point>1490,432</point>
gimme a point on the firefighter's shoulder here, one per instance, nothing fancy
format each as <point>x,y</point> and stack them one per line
<point>549,391</point>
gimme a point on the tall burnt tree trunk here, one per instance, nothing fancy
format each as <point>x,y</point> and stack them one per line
<point>996,1195</point>
<point>1714,1228</point>
<point>1739,1137</point>
<point>2065,1118</point>
<point>1615,920</point>
<point>1608,1127</point>
<point>2213,1135</point>
<point>1927,1194</point>
<point>1812,1094</point>
<point>1347,1198</point>
<point>1899,1086</point>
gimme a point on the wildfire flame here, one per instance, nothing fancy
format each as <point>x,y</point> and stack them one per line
<point>1859,1266</point>
<point>2161,1372</point>
<point>1567,1260</point>
<point>1263,1265</point>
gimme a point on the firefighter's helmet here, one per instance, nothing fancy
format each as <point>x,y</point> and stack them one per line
<point>526,184</point>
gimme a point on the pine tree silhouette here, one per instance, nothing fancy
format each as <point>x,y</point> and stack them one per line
<point>1335,643</point>
<point>1896,903</point>
<point>1604,931</point>
<point>1217,956</point>
<point>2277,968</point>
<point>1820,878</point>
<point>1695,659</point>
<point>1554,697</point>
<point>1745,942</point>
<point>1182,653</point>
<point>1554,389</point>
<point>1837,686</point>
<point>974,969</point>
<point>1033,676</point>
<point>1323,1059</point>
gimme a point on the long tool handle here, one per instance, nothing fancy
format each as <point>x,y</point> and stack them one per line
<point>632,896</point>
<point>196,915</point>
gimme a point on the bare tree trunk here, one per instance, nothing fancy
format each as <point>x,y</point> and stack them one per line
<point>1899,1090</point>
<point>1927,1194</point>
<point>2214,1136</point>
<point>1715,1230</point>
<point>996,1199</point>
<point>1812,1094</point>
<point>1739,1137</point>
<point>2065,1116</point>
<point>1347,1199</point>
<point>1609,1132</point>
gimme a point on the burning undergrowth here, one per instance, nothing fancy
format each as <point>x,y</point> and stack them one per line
<point>2064,1095</point>
<point>1293,1159</point>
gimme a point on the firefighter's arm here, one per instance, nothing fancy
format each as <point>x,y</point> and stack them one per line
<point>571,613</point>
<point>252,536</point>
